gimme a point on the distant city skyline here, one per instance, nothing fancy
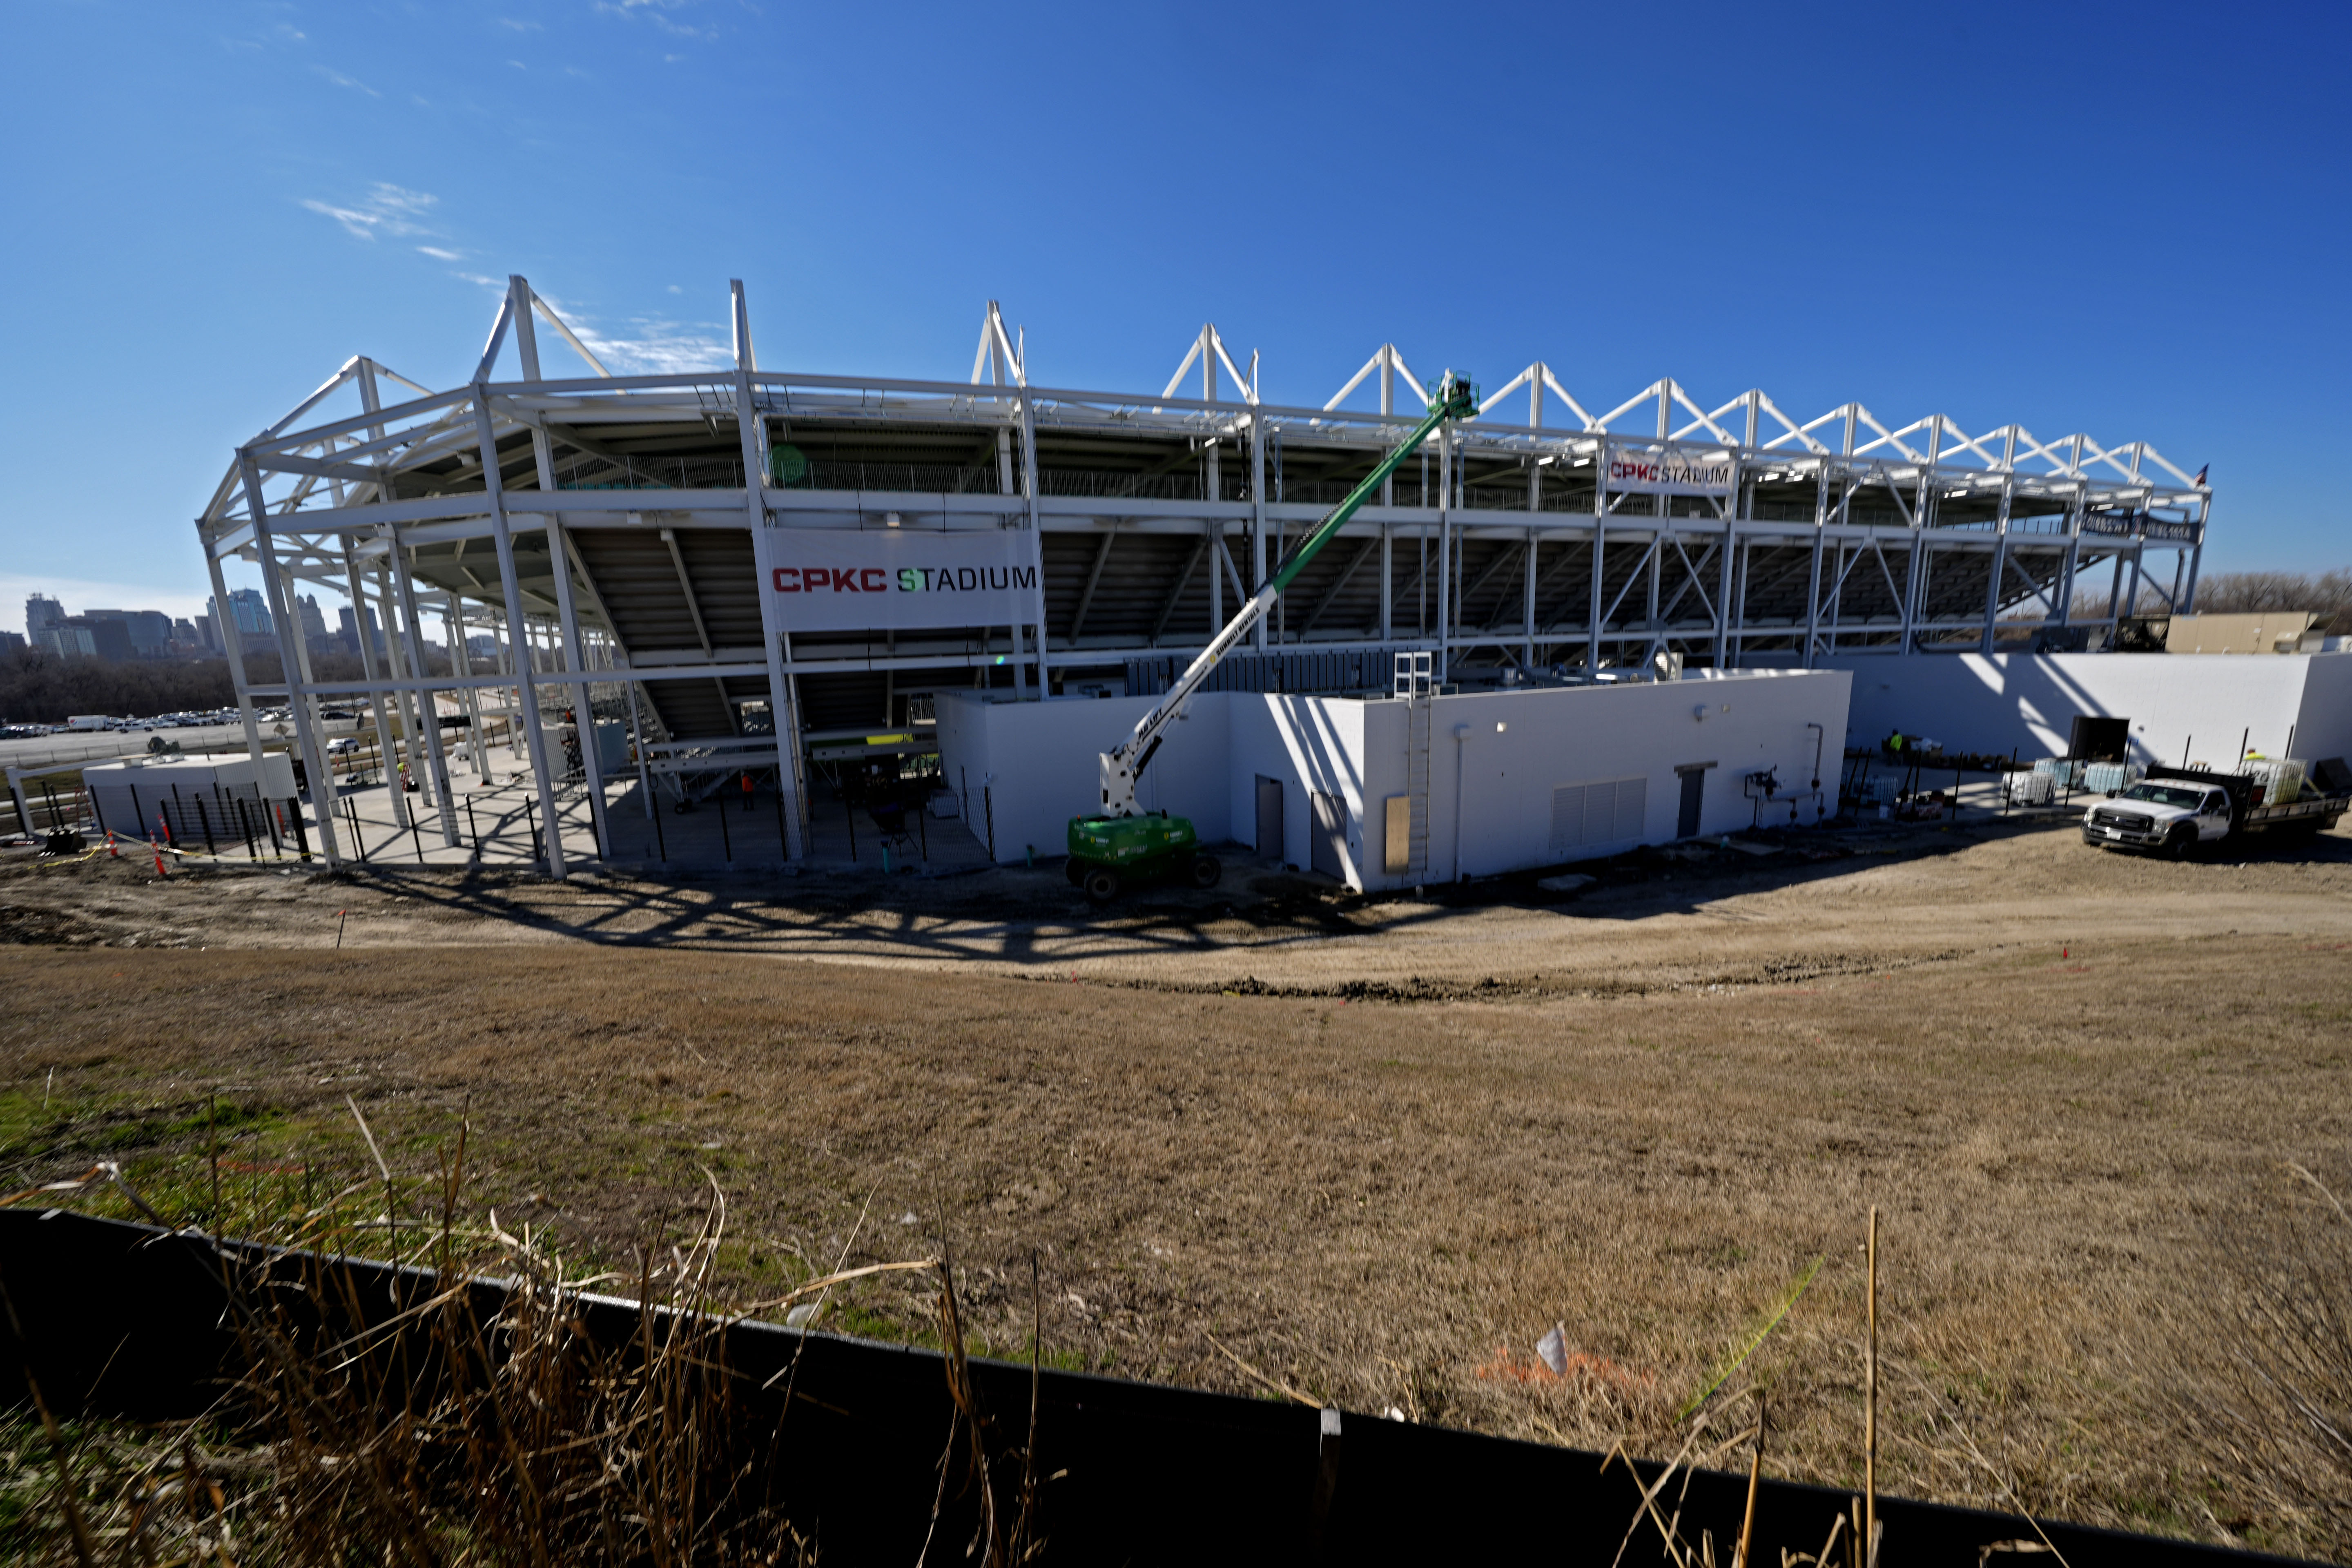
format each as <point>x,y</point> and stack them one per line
<point>148,632</point>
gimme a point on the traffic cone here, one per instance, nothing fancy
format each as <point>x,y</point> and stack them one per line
<point>112,848</point>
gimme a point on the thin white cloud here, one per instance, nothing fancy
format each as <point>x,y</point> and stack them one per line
<point>654,346</point>
<point>521,27</point>
<point>437,254</point>
<point>387,209</point>
<point>340,79</point>
<point>649,345</point>
<point>655,12</point>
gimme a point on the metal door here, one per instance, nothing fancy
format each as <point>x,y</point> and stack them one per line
<point>1694,787</point>
<point>1330,845</point>
<point>1269,817</point>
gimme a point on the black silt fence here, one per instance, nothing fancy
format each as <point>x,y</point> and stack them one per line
<point>133,1322</point>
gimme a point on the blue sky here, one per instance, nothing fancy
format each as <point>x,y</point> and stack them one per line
<point>2124,219</point>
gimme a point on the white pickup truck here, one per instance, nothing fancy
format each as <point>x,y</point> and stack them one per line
<point>2173,810</point>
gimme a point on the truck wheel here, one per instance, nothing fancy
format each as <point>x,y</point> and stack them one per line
<point>1101,885</point>
<point>2181,842</point>
<point>1204,870</point>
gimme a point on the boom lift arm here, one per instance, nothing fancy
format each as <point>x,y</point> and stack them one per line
<point>1456,399</point>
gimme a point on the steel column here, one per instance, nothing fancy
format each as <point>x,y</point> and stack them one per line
<point>233,644</point>
<point>534,740</point>
<point>288,625</point>
<point>429,712</point>
<point>784,716</point>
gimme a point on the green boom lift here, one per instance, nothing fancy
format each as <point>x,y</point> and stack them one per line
<point>1120,843</point>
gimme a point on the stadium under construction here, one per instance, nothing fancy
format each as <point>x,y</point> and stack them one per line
<point>682,557</point>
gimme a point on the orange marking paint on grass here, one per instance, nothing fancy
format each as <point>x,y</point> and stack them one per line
<point>1513,1366</point>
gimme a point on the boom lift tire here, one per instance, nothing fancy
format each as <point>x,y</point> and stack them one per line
<point>1203,872</point>
<point>1101,884</point>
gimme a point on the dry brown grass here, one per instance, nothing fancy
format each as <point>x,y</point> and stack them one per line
<point>1380,1205</point>
<point>475,1417</point>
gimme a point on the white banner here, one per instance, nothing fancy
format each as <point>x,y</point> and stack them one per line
<point>1668,474</point>
<point>836,580</point>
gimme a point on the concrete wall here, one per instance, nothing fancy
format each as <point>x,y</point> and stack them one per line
<point>128,793</point>
<point>2199,705</point>
<point>1314,745</point>
<point>1491,790</point>
<point>1038,763</point>
<point>2323,727</point>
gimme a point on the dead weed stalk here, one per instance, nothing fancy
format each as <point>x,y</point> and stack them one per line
<point>471,1413</point>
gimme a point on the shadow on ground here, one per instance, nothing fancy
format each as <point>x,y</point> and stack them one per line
<point>1005,909</point>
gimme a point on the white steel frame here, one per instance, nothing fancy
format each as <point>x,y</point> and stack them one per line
<point>319,503</point>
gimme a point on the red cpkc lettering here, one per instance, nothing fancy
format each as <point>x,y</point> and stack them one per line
<point>846,579</point>
<point>788,579</point>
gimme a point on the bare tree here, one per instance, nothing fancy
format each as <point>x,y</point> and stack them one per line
<point>2327,595</point>
<point>38,688</point>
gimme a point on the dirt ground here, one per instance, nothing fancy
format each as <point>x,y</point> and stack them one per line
<point>1369,1149</point>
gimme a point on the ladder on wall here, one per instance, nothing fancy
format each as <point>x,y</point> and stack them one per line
<point>1416,684</point>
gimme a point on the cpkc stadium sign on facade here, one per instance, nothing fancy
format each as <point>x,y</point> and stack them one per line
<point>827,580</point>
<point>1667,474</point>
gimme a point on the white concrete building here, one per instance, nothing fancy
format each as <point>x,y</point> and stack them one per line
<point>1393,792</point>
<point>2182,707</point>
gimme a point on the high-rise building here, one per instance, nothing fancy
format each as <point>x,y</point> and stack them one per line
<point>41,612</point>
<point>109,634</point>
<point>351,630</point>
<point>306,610</point>
<point>149,630</point>
<point>67,641</point>
<point>207,629</point>
<point>248,610</point>
<point>13,642</point>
